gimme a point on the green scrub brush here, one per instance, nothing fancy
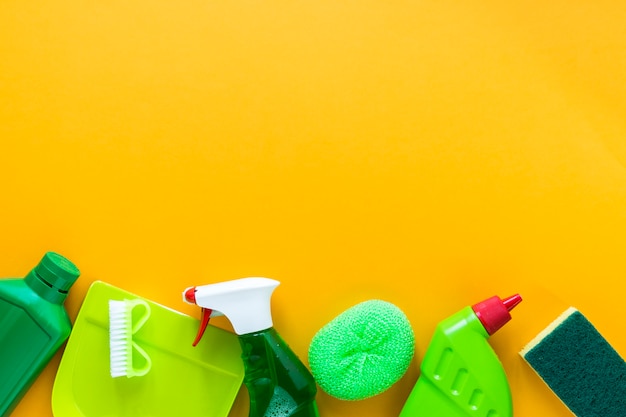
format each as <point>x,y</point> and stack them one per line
<point>580,366</point>
<point>363,351</point>
<point>121,330</point>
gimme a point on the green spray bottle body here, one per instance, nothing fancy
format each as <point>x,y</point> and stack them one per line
<point>278,383</point>
<point>33,325</point>
<point>461,375</point>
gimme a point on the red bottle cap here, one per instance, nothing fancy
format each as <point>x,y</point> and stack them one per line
<point>494,312</point>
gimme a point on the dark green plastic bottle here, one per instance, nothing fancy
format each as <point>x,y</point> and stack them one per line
<point>278,383</point>
<point>33,325</point>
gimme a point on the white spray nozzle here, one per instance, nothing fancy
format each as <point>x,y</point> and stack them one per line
<point>245,302</point>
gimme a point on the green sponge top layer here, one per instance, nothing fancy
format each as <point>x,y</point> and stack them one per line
<point>363,351</point>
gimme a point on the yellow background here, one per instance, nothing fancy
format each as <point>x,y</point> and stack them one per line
<point>429,153</point>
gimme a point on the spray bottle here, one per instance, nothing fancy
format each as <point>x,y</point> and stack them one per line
<point>278,382</point>
<point>461,375</point>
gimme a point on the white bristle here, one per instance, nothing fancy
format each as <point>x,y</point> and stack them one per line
<point>120,328</point>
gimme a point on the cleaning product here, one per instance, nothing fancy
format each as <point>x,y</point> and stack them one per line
<point>122,327</point>
<point>579,366</point>
<point>279,385</point>
<point>33,324</point>
<point>363,351</point>
<point>461,375</point>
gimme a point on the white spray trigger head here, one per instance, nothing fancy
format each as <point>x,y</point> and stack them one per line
<point>245,302</point>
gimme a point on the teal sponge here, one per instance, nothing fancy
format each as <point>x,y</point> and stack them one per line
<point>363,351</point>
<point>579,366</point>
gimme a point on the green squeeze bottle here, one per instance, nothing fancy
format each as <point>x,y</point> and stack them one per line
<point>278,382</point>
<point>33,325</point>
<point>461,376</point>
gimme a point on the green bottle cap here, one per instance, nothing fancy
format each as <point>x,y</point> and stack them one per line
<point>57,271</point>
<point>53,277</point>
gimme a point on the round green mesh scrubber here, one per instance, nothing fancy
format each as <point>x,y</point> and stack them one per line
<point>363,351</point>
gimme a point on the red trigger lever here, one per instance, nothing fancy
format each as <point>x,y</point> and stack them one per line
<point>190,296</point>
<point>204,322</point>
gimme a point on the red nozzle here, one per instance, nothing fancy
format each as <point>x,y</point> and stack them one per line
<point>494,313</point>
<point>190,295</point>
<point>512,301</point>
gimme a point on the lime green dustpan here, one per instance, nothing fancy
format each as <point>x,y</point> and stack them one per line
<point>182,381</point>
